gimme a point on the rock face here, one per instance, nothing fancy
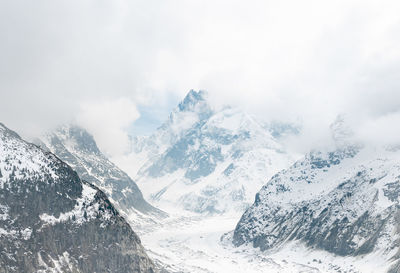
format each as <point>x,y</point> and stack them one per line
<point>206,160</point>
<point>51,221</point>
<point>345,201</point>
<point>77,148</point>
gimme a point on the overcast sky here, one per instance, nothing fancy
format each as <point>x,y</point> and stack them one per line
<point>107,64</point>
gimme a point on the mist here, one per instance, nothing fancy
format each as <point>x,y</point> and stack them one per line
<point>97,62</point>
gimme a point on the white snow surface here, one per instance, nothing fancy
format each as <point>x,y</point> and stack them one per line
<point>374,162</point>
<point>192,244</point>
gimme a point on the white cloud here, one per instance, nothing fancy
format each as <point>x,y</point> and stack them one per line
<point>382,130</point>
<point>279,59</point>
<point>108,120</point>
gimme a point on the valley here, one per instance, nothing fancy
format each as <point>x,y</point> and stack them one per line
<point>203,244</point>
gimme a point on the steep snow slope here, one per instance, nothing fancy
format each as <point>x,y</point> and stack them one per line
<point>204,160</point>
<point>51,221</point>
<point>76,146</point>
<point>344,201</point>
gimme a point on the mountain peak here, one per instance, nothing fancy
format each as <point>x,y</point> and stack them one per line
<point>193,108</point>
<point>192,99</point>
<point>79,138</point>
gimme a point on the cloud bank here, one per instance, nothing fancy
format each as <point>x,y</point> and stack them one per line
<point>284,60</point>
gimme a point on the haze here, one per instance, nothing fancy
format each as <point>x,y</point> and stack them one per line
<point>106,64</point>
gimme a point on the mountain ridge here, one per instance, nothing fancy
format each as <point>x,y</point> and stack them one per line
<point>77,147</point>
<point>52,221</point>
<point>344,201</point>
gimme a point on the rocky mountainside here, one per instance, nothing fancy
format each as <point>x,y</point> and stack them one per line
<point>52,221</point>
<point>345,201</point>
<point>75,146</point>
<point>205,160</point>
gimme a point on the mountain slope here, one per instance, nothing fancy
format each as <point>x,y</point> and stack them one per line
<point>76,146</point>
<point>205,160</point>
<point>344,201</point>
<point>51,221</point>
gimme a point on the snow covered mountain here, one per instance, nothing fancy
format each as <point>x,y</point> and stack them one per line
<point>345,201</point>
<point>76,146</point>
<point>52,221</point>
<point>205,160</point>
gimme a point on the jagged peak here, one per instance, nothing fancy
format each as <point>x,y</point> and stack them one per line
<point>192,99</point>
<point>80,137</point>
<point>192,109</point>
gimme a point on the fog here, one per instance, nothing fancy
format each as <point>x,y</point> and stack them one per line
<point>98,62</point>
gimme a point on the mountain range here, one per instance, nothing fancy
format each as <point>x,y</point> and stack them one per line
<point>66,207</point>
<point>205,160</point>
<point>52,221</point>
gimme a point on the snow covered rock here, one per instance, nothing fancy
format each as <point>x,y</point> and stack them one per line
<point>205,160</point>
<point>51,221</point>
<point>345,201</point>
<point>75,146</point>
